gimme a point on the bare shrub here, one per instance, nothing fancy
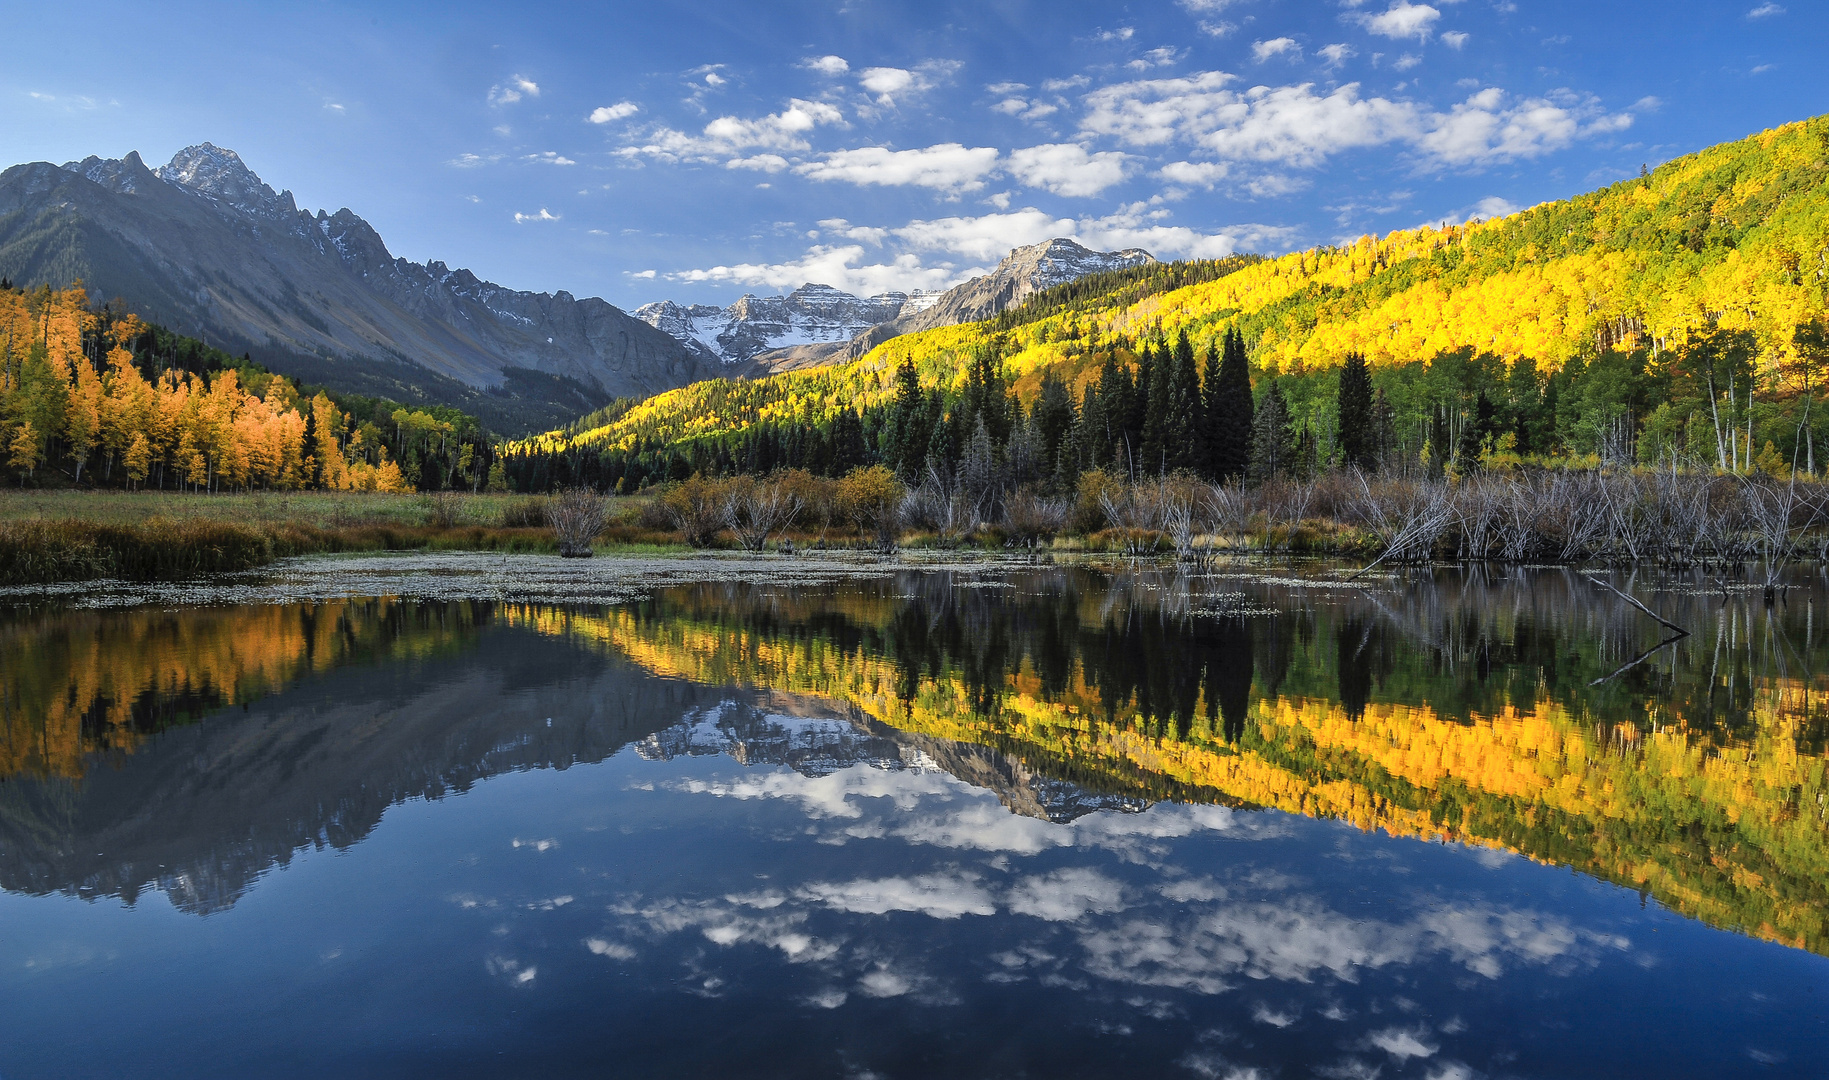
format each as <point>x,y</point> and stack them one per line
<point>576,517</point>
<point>755,508</point>
<point>1031,517</point>
<point>1285,502</point>
<point>934,505</point>
<point>1407,516</point>
<point>696,507</point>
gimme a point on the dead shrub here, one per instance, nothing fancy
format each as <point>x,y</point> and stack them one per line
<point>576,517</point>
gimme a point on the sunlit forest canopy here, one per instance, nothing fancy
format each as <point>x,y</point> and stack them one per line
<point>1595,326</point>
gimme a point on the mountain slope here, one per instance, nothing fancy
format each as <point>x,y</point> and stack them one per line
<point>1735,236</point>
<point>203,246</point>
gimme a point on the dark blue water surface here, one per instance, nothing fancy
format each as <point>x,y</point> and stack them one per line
<point>507,853</point>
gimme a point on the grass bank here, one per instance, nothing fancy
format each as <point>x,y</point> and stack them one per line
<point>146,536</point>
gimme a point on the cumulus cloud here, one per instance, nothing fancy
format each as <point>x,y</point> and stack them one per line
<point>1488,129</point>
<point>938,896</point>
<point>1067,169</point>
<point>826,65</point>
<point>514,89</point>
<point>1455,39</point>
<point>522,219</point>
<point>1275,47</point>
<point>1336,54</point>
<point>1299,127</point>
<point>1765,11</point>
<point>549,157</point>
<point>892,84</point>
<point>949,167</point>
<point>730,135</point>
<point>1401,21</point>
<point>1162,56</point>
<point>1066,895</point>
<point>604,114</point>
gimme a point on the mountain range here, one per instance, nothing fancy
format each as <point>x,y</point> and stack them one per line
<point>817,324</point>
<point>205,247</point>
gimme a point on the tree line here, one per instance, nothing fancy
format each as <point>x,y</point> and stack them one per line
<point>98,397</point>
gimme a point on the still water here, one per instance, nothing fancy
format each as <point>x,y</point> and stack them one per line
<point>1043,822</point>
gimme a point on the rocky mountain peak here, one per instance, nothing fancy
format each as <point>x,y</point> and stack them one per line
<point>220,174</point>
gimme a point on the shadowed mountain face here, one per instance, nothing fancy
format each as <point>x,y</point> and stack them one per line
<point>203,246</point>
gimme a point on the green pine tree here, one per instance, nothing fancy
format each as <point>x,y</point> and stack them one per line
<point>1357,438</point>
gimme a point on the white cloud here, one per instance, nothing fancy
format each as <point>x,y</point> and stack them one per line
<point>1401,21</point>
<point>1298,127</point>
<point>1492,206</point>
<point>729,135</point>
<point>1163,56</point>
<point>826,65</point>
<point>1055,86</point>
<point>1402,1045</point>
<point>1122,33</point>
<point>938,896</point>
<point>549,157</point>
<point>1066,895</point>
<point>513,90</point>
<point>1484,129</point>
<point>892,84</point>
<point>950,167</point>
<point>768,163</point>
<point>1406,62</point>
<point>1337,54</point>
<point>604,114</point>
<point>1204,174</point>
<point>522,219</point>
<point>1067,169</point>
<point>1283,46</point>
<point>471,161</point>
<point>1455,39</point>
<point>1765,11</point>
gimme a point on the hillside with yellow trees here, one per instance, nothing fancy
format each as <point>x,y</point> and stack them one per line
<point>96,397</point>
<point>1570,329</point>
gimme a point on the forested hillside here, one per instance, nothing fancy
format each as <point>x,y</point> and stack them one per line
<point>101,398</point>
<point>1676,315</point>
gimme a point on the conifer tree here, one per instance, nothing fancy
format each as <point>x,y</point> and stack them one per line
<point>1160,388</point>
<point>1355,412</point>
<point>1052,420</point>
<point>1205,443</point>
<point>1229,411</point>
<point>1272,450</point>
<point>1184,416</point>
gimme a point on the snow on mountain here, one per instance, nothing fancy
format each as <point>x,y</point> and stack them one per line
<point>817,324</point>
<point>810,315</point>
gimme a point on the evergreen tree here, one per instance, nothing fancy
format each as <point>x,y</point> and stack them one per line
<point>1184,418</point>
<point>1052,420</point>
<point>1160,386</point>
<point>1272,450</point>
<point>943,448</point>
<point>1357,438</point>
<point>1204,442</point>
<point>1229,411</point>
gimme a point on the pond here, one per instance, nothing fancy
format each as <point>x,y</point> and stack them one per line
<point>966,819</point>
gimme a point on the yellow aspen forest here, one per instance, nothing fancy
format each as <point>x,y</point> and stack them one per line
<point>76,399</point>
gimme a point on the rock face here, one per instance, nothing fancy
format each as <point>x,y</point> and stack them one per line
<point>1022,273</point>
<point>817,324</point>
<point>204,246</point>
<point>810,315</point>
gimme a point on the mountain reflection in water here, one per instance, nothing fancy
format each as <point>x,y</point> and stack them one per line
<point>941,746</point>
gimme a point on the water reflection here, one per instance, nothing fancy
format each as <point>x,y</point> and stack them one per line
<point>1451,706</point>
<point>930,825</point>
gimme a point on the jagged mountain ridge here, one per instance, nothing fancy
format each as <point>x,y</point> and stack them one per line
<point>817,324</point>
<point>206,247</point>
<point>810,315</point>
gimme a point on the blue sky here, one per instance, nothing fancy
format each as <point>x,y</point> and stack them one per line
<point>697,151</point>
